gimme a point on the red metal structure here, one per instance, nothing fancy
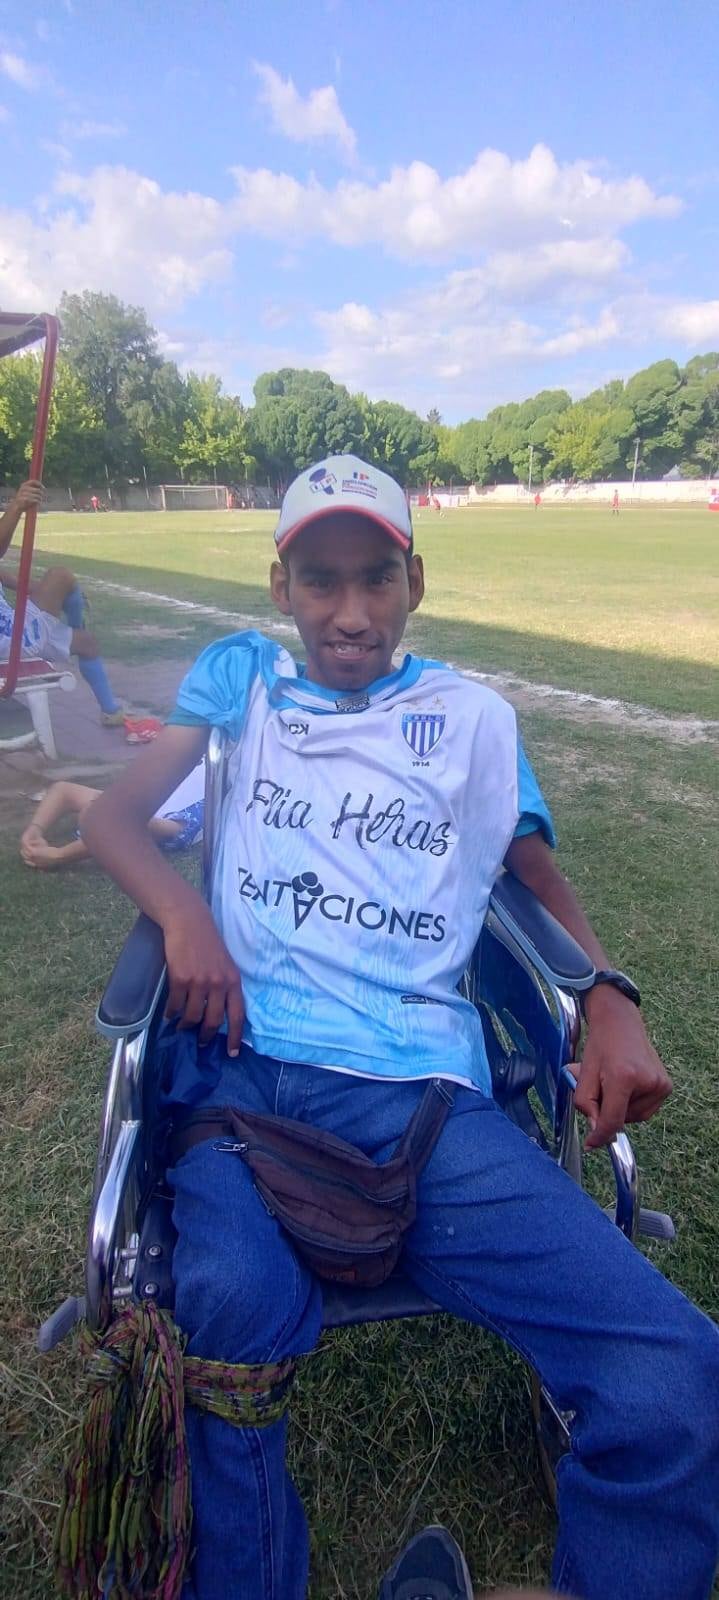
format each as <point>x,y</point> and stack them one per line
<point>17,330</point>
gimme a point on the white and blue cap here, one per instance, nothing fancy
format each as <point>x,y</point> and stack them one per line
<point>344,483</point>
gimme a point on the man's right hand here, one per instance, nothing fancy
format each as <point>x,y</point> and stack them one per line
<point>205,984</point>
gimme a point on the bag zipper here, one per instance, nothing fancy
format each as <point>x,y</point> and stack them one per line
<point>228,1147</point>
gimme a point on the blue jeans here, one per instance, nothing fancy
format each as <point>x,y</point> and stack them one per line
<point>505,1240</point>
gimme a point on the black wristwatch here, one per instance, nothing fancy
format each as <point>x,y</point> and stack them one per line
<point>618,980</point>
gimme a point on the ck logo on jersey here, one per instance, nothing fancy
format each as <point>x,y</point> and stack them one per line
<point>423,730</point>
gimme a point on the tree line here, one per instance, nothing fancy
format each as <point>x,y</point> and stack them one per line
<point>121,410</point>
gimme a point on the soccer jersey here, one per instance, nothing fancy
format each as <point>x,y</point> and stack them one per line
<point>42,634</point>
<point>360,840</point>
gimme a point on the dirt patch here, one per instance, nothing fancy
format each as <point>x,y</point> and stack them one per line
<point>574,769</point>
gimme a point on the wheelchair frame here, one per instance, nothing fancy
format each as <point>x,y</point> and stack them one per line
<point>525,976</point>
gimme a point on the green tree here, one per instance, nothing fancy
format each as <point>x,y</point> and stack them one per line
<point>75,441</point>
<point>402,444</point>
<point>300,416</point>
<point>588,442</point>
<point>471,449</point>
<point>113,349</point>
<point>19,376</point>
<point>156,413</point>
<point>214,436</point>
<point>74,447</point>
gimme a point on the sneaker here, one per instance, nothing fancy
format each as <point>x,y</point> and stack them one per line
<point>112,719</point>
<point>140,730</point>
<point>431,1567</point>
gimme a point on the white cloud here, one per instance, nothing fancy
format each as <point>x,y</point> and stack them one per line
<point>116,231</point>
<point>531,291</point>
<point>496,203</point>
<point>694,322</point>
<point>88,129</point>
<point>583,335</point>
<point>19,71</point>
<point>58,152</point>
<point>319,116</point>
<point>4,114</point>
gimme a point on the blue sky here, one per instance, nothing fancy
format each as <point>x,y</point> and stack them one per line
<point>448,204</point>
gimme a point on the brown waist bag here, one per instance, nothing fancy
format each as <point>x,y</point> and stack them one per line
<point>345,1214</point>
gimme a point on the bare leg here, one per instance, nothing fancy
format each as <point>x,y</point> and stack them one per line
<point>61,800</point>
<point>164,828</point>
<point>51,590</point>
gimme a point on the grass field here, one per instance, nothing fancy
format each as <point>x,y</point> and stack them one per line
<point>408,1424</point>
<point>622,606</point>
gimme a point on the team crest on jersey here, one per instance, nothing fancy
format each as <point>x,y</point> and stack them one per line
<point>423,730</point>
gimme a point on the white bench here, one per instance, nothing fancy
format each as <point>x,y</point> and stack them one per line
<point>35,679</point>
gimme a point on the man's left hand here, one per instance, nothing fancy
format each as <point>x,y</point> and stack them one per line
<point>29,494</point>
<point>621,1078</point>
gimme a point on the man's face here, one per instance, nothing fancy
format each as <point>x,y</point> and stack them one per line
<point>350,589</point>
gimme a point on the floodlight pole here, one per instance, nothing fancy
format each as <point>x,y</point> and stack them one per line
<point>636,459</point>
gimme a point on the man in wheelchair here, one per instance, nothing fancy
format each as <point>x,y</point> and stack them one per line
<point>369,811</point>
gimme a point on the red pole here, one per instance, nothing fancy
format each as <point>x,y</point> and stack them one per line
<point>28,538</point>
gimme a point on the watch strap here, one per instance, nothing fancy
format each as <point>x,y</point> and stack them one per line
<point>617,980</point>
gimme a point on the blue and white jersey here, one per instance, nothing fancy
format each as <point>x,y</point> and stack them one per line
<point>32,635</point>
<point>361,838</point>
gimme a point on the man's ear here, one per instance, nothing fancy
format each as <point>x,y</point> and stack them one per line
<point>280,587</point>
<point>415,574</point>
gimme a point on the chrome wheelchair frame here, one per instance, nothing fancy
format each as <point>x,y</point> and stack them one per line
<point>525,976</point>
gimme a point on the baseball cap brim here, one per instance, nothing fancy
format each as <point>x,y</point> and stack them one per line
<point>387,527</point>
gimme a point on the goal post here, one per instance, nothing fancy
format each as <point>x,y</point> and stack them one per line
<point>194,496</point>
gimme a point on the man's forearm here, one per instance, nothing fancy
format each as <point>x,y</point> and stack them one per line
<point>532,861</point>
<point>558,896</point>
<point>8,523</point>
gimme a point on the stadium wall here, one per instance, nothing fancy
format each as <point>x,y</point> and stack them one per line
<point>694,491</point>
<point>690,491</point>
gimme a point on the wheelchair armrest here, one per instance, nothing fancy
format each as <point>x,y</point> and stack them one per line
<point>135,982</point>
<point>514,909</point>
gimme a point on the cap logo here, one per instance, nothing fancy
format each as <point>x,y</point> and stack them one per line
<point>322,481</point>
<point>360,484</point>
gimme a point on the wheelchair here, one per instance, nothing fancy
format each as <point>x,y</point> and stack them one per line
<point>525,977</point>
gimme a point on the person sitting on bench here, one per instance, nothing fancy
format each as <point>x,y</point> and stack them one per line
<point>54,627</point>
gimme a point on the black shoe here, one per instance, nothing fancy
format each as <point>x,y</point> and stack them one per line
<point>431,1567</point>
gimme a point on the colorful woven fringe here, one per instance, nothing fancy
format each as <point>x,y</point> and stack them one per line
<point>125,1520</point>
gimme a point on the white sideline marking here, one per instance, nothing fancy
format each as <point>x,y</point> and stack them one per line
<point>690,730</point>
<point>589,707</point>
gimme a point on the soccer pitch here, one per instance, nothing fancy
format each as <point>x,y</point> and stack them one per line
<point>395,1426</point>
<point>570,596</point>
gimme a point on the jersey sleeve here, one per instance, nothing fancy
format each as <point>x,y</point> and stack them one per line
<point>534,813</point>
<point>216,690</point>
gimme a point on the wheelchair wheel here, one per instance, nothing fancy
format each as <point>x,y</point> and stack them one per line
<point>551,1431</point>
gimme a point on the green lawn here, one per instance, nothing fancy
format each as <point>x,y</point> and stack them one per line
<point>392,1427</point>
<point>624,607</point>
